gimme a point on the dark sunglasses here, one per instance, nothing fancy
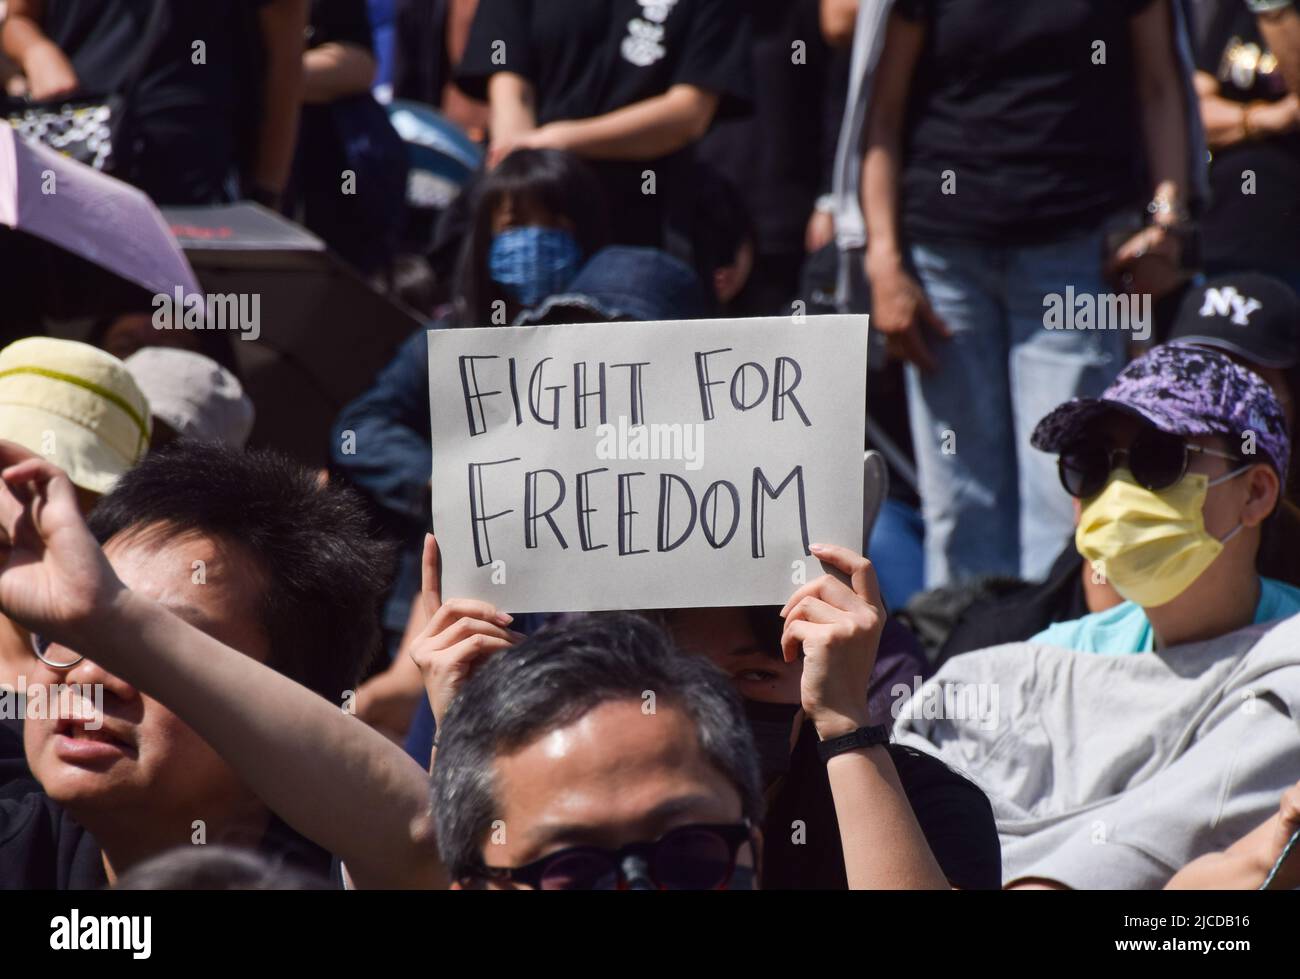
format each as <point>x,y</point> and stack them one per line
<point>1156,459</point>
<point>688,858</point>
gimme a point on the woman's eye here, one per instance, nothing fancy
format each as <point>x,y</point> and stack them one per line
<point>757,676</point>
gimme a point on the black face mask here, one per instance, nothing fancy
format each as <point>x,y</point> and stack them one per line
<point>773,726</point>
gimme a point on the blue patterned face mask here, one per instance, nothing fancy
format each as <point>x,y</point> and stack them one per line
<point>532,263</point>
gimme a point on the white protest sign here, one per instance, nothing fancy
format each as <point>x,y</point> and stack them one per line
<point>645,465</point>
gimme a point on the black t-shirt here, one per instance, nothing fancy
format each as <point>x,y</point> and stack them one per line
<point>589,57</point>
<point>781,155</point>
<point>13,760</point>
<point>953,813</point>
<point>1260,231</point>
<point>184,113</point>
<point>1042,141</point>
<point>339,22</point>
<point>43,848</point>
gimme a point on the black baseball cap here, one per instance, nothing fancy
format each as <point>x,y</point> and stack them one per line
<point>1247,314</point>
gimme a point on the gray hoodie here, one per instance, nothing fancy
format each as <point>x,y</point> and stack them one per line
<point>1116,771</point>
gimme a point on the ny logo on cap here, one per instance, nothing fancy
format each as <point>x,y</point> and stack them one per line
<point>1221,302</point>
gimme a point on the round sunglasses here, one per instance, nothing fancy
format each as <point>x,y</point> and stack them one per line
<point>697,857</point>
<point>1157,461</point>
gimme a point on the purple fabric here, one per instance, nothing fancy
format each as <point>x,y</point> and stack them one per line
<point>1181,390</point>
<point>899,660</point>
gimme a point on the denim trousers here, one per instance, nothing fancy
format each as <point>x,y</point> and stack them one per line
<point>991,503</point>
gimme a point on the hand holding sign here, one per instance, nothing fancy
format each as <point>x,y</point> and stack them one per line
<point>461,633</point>
<point>838,628</point>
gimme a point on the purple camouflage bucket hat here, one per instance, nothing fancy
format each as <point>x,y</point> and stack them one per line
<point>1181,390</point>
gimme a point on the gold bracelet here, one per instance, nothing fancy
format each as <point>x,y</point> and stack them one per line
<point>1246,131</point>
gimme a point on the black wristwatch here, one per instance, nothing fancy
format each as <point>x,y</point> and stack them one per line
<point>863,737</point>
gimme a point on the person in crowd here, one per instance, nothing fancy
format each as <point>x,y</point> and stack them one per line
<point>1119,771</point>
<point>1253,318</point>
<point>553,739</point>
<point>988,185</point>
<point>197,116</point>
<point>836,627</point>
<point>191,396</point>
<point>1252,123</point>
<point>780,155</point>
<point>430,39</point>
<point>535,219</point>
<point>206,550</point>
<point>627,85</point>
<point>80,408</point>
<point>1177,467</point>
<point>1210,316</point>
<point>1266,858</point>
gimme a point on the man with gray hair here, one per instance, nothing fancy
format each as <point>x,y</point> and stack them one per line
<point>594,755</point>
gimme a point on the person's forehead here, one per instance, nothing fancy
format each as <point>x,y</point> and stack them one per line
<point>620,767</point>
<point>202,578</point>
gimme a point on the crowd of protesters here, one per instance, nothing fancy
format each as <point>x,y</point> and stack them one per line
<point>1094,520</point>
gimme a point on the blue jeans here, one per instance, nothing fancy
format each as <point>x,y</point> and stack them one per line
<point>992,504</point>
<point>896,551</point>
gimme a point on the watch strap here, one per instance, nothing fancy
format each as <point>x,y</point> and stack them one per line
<point>863,737</point>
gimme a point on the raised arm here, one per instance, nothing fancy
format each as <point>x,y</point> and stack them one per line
<point>325,773</point>
<point>838,627</point>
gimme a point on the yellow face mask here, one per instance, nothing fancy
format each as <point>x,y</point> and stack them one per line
<point>1150,545</point>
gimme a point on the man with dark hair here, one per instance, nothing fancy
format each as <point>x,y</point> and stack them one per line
<point>308,551</point>
<point>592,754</point>
<point>250,549</point>
<point>541,757</point>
